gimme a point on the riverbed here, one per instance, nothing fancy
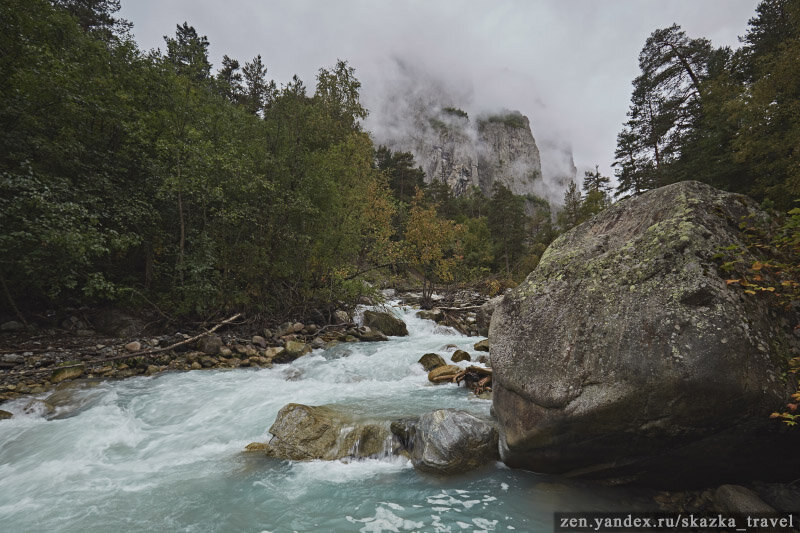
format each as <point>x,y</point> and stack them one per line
<point>164,453</point>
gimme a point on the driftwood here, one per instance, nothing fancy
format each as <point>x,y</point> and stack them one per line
<point>140,353</point>
<point>475,377</point>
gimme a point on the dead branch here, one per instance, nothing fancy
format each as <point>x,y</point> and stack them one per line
<point>140,353</point>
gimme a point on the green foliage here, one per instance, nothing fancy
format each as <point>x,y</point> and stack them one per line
<point>456,112</point>
<point>508,225</point>
<point>571,215</point>
<point>126,173</point>
<point>767,268</point>
<point>728,118</point>
<point>144,176</point>
<point>399,168</point>
<point>511,119</point>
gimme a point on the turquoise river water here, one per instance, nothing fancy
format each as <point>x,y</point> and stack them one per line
<point>164,453</point>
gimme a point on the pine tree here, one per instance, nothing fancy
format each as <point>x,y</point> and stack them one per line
<point>570,215</point>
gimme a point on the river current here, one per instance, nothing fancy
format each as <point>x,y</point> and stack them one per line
<point>164,453</point>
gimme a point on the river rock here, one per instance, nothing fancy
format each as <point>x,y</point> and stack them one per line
<point>449,441</point>
<point>460,355</point>
<point>273,351</point>
<point>368,334</point>
<point>442,374</point>
<point>291,351</point>
<point>738,499</point>
<point>258,340</point>
<point>5,415</point>
<point>625,355</point>
<point>303,433</point>
<point>385,322</point>
<point>61,374</point>
<point>429,361</point>
<point>481,346</point>
<point>133,346</point>
<point>210,344</point>
<point>433,314</point>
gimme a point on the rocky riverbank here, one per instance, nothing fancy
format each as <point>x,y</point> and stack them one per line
<point>107,346</point>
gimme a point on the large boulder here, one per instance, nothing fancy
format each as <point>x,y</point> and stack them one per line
<point>385,322</point>
<point>303,432</point>
<point>625,355</point>
<point>447,441</point>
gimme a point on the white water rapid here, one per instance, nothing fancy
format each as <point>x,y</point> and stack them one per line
<point>164,453</point>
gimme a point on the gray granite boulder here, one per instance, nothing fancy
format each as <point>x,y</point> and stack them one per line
<point>625,355</point>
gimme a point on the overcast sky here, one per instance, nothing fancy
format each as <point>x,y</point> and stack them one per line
<point>566,64</point>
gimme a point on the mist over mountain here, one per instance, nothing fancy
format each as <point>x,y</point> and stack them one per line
<point>462,142</point>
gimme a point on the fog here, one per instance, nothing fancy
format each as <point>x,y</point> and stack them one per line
<point>565,64</point>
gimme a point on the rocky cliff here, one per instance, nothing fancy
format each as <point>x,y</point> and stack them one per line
<point>495,148</point>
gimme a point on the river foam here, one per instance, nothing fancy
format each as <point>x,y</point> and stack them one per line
<point>164,453</point>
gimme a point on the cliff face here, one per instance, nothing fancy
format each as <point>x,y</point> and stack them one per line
<point>499,148</point>
<point>448,153</point>
<point>507,153</point>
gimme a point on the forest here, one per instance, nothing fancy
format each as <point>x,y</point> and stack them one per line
<point>148,179</point>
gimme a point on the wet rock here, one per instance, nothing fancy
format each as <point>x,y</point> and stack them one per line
<point>62,374</point>
<point>273,351</point>
<point>481,346</point>
<point>196,366</point>
<point>210,344</point>
<point>317,343</point>
<point>443,374</point>
<point>302,433</point>
<point>38,407</point>
<point>368,334</point>
<point>292,351</point>
<point>433,314</point>
<point>133,346</point>
<point>449,441</point>
<point>385,322</point>
<point>5,415</point>
<point>208,361</point>
<point>73,398</point>
<point>738,499</point>
<point>625,354</point>
<point>429,361</point>
<point>460,355</point>
<point>483,359</point>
